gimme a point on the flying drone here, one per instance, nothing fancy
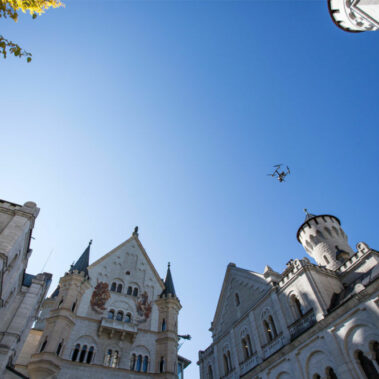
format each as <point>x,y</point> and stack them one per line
<point>280,175</point>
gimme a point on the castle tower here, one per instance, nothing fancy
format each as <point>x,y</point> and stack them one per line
<point>167,342</point>
<point>60,319</point>
<point>324,240</point>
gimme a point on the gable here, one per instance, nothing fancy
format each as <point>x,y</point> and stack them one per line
<point>249,286</point>
<point>129,265</point>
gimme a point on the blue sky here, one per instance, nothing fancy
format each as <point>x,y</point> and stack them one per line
<point>168,115</point>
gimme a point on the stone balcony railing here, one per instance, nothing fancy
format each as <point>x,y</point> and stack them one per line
<point>117,328</point>
<point>273,346</point>
<point>302,324</point>
<point>249,363</point>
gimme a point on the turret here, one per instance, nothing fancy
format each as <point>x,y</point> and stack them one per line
<point>167,342</point>
<point>60,321</point>
<point>324,240</point>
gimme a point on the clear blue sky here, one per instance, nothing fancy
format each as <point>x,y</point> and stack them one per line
<point>168,115</point>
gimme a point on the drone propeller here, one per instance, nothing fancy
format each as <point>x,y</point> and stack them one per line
<point>288,169</point>
<point>277,165</point>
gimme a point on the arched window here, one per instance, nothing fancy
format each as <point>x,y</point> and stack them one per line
<point>145,363</point>
<point>73,306</point>
<point>60,303</point>
<point>127,273</point>
<point>226,365</point>
<point>230,361</point>
<point>296,307</point>
<point>91,352</point>
<point>107,359</point>
<point>316,376</point>
<point>83,353</point>
<point>114,359</point>
<point>111,314</point>
<point>120,316</point>
<point>161,365</point>
<point>128,317</point>
<point>367,366</point>
<point>133,362</point>
<point>59,348</point>
<point>210,372</point>
<point>245,349</point>
<point>273,327</point>
<point>163,325</point>
<point>330,374</point>
<point>139,363</point>
<point>268,331</point>
<point>237,299</point>
<point>43,346</point>
<point>135,291</point>
<point>375,348</point>
<point>119,288</point>
<point>113,287</point>
<point>249,344</point>
<point>75,352</point>
<point>130,290</point>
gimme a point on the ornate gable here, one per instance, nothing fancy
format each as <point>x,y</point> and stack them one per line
<point>241,289</point>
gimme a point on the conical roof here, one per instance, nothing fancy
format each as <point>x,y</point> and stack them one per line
<point>83,262</point>
<point>169,284</point>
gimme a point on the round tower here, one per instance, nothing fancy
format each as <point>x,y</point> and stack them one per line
<point>324,240</point>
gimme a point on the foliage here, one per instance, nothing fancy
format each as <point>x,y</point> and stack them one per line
<point>10,9</point>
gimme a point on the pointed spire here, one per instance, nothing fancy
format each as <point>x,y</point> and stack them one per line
<point>169,284</point>
<point>308,215</point>
<point>83,262</point>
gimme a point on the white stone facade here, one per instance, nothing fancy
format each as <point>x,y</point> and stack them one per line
<point>115,319</point>
<point>21,294</point>
<point>312,321</point>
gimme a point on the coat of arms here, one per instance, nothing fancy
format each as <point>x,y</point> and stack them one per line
<point>143,307</point>
<point>99,297</point>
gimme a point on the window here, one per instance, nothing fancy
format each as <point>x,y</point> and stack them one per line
<point>145,363</point>
<point>163,325</point>
<point>111,314</point>
<point>139,363</point>
<point>330,374</point>
<point>75,353</point>
<point>367,365</point>
<point>135,291</point>
<point>113,287</point>
<point>296,307</point>
<point>133,362</point>
<point>237,299</point>
<point>130,290</point>
<point>60,303</point>
<point>128,317</point>
<point>73,306</point>
<point>59,348</point>
<point>161,365</point>
<point>226,364</point>
<point>120,316</point>
<point>268,331</point>
<point>83,353</point>
<point>127,273</point>
<point>210,372</point>
<point>230,361</point>
<point>326,259</point>
<point>273,327</point>
<point>114,359</point>
<point>43,346</point>
<point>107,359</point>
<point>90,354</point>
<point>119,288</point>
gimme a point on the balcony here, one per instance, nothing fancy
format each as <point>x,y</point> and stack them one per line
<point>118,329</point>
<point>302,324</point>
<point>249,363</point>
<point>273,346</point>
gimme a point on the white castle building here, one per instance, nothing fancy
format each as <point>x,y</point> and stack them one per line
<point>355,15</point>
<point>311,321</point>
<point>21,294</point>
<point>115,318</point>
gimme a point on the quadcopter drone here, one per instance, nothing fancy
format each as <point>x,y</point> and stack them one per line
<point>280,175</point>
